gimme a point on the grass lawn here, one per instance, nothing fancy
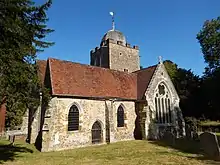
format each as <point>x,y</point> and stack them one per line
<point>217,133</point>
<point>120,153</point>
<point>209,123</point>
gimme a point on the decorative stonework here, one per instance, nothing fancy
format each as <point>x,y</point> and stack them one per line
<point>157,79</point>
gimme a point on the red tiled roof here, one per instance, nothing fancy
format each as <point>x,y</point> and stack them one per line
<point>42,64</point>
<point>143,79</point>
<point>74,79</point>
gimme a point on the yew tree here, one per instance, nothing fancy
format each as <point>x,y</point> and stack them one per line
<point>23,30</point>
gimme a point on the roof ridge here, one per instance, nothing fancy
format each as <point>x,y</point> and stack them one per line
<point>137,71</point>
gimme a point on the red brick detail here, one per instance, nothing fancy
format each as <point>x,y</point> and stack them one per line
<point>2,117</point>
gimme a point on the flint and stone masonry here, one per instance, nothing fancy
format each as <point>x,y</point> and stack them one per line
<point>57,136</point>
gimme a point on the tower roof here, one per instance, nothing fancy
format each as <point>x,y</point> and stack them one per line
<point>114,35</point>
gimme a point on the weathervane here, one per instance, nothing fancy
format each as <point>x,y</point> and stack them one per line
<point>160,59</point>
<point>113,21</point>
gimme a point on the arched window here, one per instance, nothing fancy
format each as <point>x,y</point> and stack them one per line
<point>73,119</point>
<point>120,117</point>
<point>163,105</point>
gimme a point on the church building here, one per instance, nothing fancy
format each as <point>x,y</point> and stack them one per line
<point>110,100</point>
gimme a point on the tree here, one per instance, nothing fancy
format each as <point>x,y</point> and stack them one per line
<point>171,69</point>
<point>186,84</point>
<point>23,29</point>
<point>188,87</point>
<point>210,91</point>
<point>209,39</point>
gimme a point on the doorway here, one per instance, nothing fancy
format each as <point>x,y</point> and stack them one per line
<point>96,133</point>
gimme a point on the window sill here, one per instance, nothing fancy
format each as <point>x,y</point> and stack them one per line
<point>73,132</point>
<point>121,128</point>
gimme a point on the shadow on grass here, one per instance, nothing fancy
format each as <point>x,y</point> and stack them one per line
<point>183,145</point>
<point>9,152</point>
<point>188,146</point>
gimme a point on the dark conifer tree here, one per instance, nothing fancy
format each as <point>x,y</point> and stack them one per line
<point>22,35</point>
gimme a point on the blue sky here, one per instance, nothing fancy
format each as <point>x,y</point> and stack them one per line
<point>164,28</point>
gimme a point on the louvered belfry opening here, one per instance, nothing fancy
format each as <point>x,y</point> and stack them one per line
<point>73,119</point>
<point>96,133</point>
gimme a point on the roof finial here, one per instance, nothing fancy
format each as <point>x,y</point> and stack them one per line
<point>160,59</point>
<point>113,21</point>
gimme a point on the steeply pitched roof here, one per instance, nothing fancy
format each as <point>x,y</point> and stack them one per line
<point>42,64</point>
<point>143,79</point>
<point>74,79</point>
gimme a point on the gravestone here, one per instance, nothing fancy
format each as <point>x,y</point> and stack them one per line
<point>195,136</point>
<point>209,143</point>
<point>14,133</point>
<point>189,134</point>
<point>218,137</point>
<point>169,138</point>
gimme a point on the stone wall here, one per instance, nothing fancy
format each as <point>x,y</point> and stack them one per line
<point>122,57</point>
<point>100,57</point>
<point>55,131</point>
<point>160,76</point>
<point>126,132</point>
<point>24,125</point>
<point>116,56</point>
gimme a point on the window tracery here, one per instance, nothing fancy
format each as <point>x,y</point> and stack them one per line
<point>163,105</point>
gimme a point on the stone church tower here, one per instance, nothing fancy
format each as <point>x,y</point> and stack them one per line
<point>115,53</point>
